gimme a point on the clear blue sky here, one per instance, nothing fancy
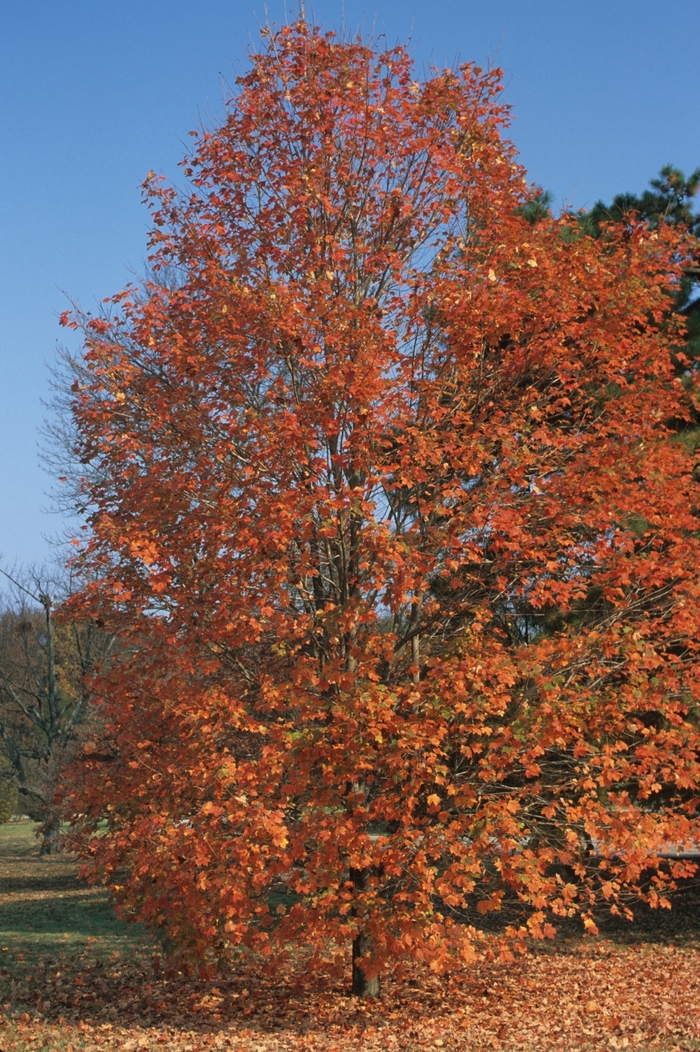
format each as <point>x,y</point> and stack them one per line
<point>95,93</point>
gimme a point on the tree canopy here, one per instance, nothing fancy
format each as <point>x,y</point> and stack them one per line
<point>669,200</point>
<point>386,511</point>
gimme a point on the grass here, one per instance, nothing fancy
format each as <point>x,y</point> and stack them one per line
<point>47,915</point>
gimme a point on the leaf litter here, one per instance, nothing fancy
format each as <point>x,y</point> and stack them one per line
<point>588,996</point>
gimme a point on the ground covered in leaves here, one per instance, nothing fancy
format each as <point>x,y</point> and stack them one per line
<point>72,977</point>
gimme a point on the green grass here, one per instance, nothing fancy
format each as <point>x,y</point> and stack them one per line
<point>47,914</point>
<point>17,839</point>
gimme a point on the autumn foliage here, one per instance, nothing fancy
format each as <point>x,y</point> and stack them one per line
<point>393,513</point>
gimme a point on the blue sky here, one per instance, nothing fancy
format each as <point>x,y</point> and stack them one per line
<point>95,93</point>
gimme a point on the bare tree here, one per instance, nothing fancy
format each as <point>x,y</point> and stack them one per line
<point>44,702</point>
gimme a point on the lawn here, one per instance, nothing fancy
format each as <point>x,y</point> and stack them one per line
<point>72,976</point>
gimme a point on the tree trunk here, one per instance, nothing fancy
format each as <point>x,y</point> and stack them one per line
<point>51,834</point>
<point>361,985</point>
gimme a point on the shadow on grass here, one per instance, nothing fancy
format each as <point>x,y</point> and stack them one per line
<point>46,913</point>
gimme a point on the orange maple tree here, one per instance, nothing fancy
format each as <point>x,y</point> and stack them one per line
<point>393,512</point>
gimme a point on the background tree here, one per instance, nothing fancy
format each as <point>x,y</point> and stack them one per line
<point>8,797</point>
<point>43,701</point>
<point>364,425</point>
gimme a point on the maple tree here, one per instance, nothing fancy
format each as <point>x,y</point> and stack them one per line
<point>388,510</point>
<point>670,200</point>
